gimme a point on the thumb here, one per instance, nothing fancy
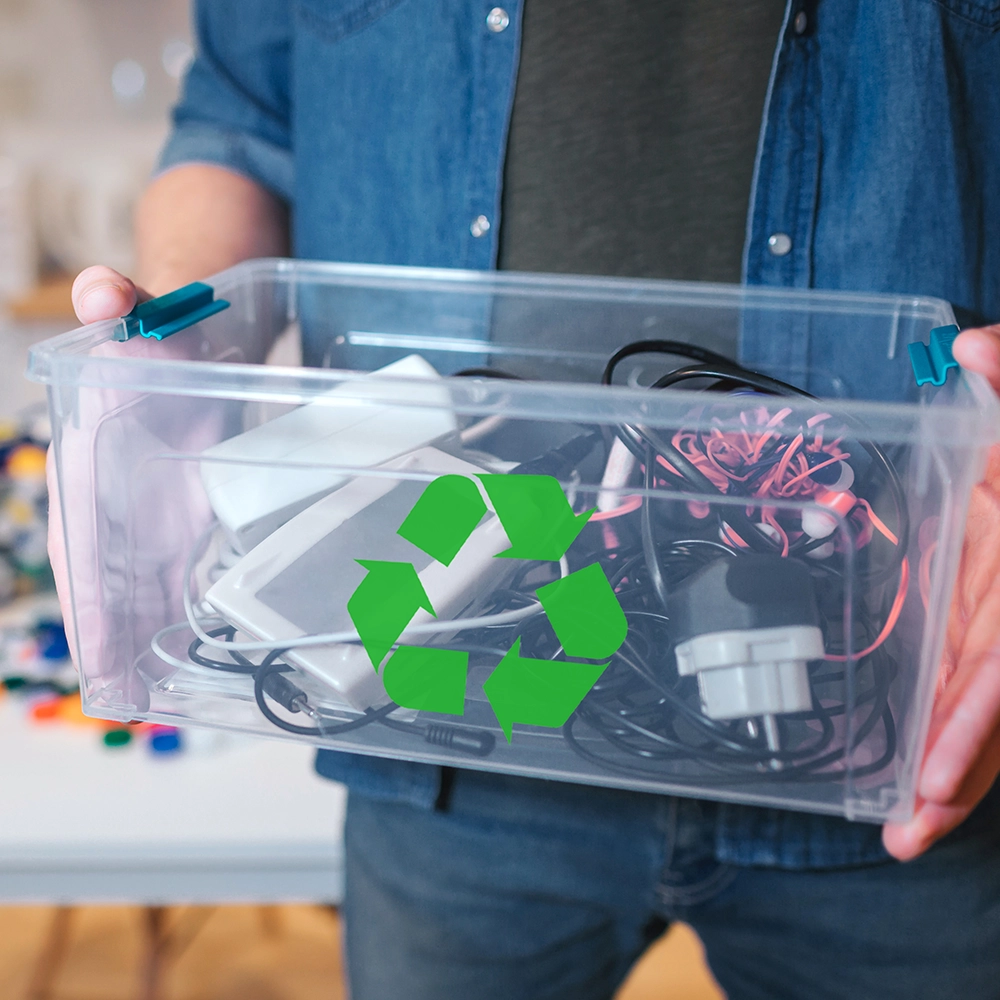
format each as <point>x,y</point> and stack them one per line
<point>99,293</point>
<point>978,350</point>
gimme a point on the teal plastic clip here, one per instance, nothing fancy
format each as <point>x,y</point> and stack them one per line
<point>931,364</point>
<point>169,313</point>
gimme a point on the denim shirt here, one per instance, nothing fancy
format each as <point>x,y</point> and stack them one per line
<point>384,124</point>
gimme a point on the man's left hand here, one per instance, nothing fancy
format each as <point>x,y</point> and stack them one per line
<point>963,748</point>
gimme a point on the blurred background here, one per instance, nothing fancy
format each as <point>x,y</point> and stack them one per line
<point>85,87</point>
<point>136,861</point>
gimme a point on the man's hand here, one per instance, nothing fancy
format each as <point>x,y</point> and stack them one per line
<point>193,220</point>
<point>100,293</point>
<point>963,747</point>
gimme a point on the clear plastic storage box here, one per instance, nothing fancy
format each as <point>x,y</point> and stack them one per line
<point>446,540</point>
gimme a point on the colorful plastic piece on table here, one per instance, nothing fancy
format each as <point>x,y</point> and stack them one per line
<point>67,709</point>
<point>931,364</point>
<point>26,461</point>
<point>46,710</point>
<point>52,642</point>
<point>166,742</point>
<point>170,313</point>
<point>115,738</point>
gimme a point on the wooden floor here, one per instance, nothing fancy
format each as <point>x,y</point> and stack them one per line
<point>673,969</point>
<point>235,953</point>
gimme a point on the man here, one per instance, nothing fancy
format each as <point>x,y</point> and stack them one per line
<point>392,131</point>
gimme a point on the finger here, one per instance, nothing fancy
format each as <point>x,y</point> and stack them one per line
<point>932,820</point>
<point>979,351</point>
<point>968,719</point>
<point>99,293</point>
<point>906,841</point>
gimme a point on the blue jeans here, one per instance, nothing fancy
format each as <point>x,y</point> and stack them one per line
<point>513,889</point>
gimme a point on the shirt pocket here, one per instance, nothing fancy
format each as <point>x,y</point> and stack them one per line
<point>983,13</point>
<point>336,19</point>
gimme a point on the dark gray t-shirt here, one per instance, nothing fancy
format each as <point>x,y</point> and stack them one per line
<point>633,136</point>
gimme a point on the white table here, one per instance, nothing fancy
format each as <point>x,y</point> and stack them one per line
<point>246,821</point>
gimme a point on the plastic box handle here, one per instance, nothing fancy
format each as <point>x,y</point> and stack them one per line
<point>170,313</point>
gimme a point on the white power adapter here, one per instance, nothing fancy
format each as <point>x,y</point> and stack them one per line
<point>258,480</point>
<point>752,672</point>
<point>747,627</point>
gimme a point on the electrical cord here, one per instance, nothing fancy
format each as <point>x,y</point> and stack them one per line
<point>677,348</point>
<point>270,681</point>
<point>728,371</point>
<point>648,540</point>
<point>645,720</point>
<point>486,373</point>
<point>488,425</point>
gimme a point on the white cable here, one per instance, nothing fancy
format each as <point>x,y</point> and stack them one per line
<point>156,644</point>
<point>481,428</point>
<point>574,482</point>
<point>617,472</point>
<point>157,648</point>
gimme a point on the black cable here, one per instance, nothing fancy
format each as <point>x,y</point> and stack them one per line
<point>648,542</point>
<point>486,373</point>
<point>674,347</point>
<point>729,371</point>
<point>459,738</point>
<point>270,667</point>
<point>561,460</point>
<point>237,664</point>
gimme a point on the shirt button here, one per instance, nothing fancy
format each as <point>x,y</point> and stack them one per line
<point>801,22</point>
<point>497,19</point>
<point>778,243</point>
<point>480,226</point>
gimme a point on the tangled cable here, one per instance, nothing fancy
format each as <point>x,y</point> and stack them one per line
<point>807,488</point>
<point>642,714</point>
<point>271,683</point>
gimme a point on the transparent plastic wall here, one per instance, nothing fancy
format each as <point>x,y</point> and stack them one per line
<point>482,556</point>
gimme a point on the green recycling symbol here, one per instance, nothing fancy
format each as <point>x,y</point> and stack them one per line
<point>581,607</point>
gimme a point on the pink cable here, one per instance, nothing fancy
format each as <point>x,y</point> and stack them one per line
<point>805,475</point>
<point>877,521</point>
<point>767,516</point>
<point>787,457</point>
<point>890,622</point>
<point>628,505</point>
<point>767,435</point>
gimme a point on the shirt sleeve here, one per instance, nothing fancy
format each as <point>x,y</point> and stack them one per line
<point>234,108</point>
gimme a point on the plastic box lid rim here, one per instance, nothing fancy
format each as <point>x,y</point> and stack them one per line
<point>65,360</point>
